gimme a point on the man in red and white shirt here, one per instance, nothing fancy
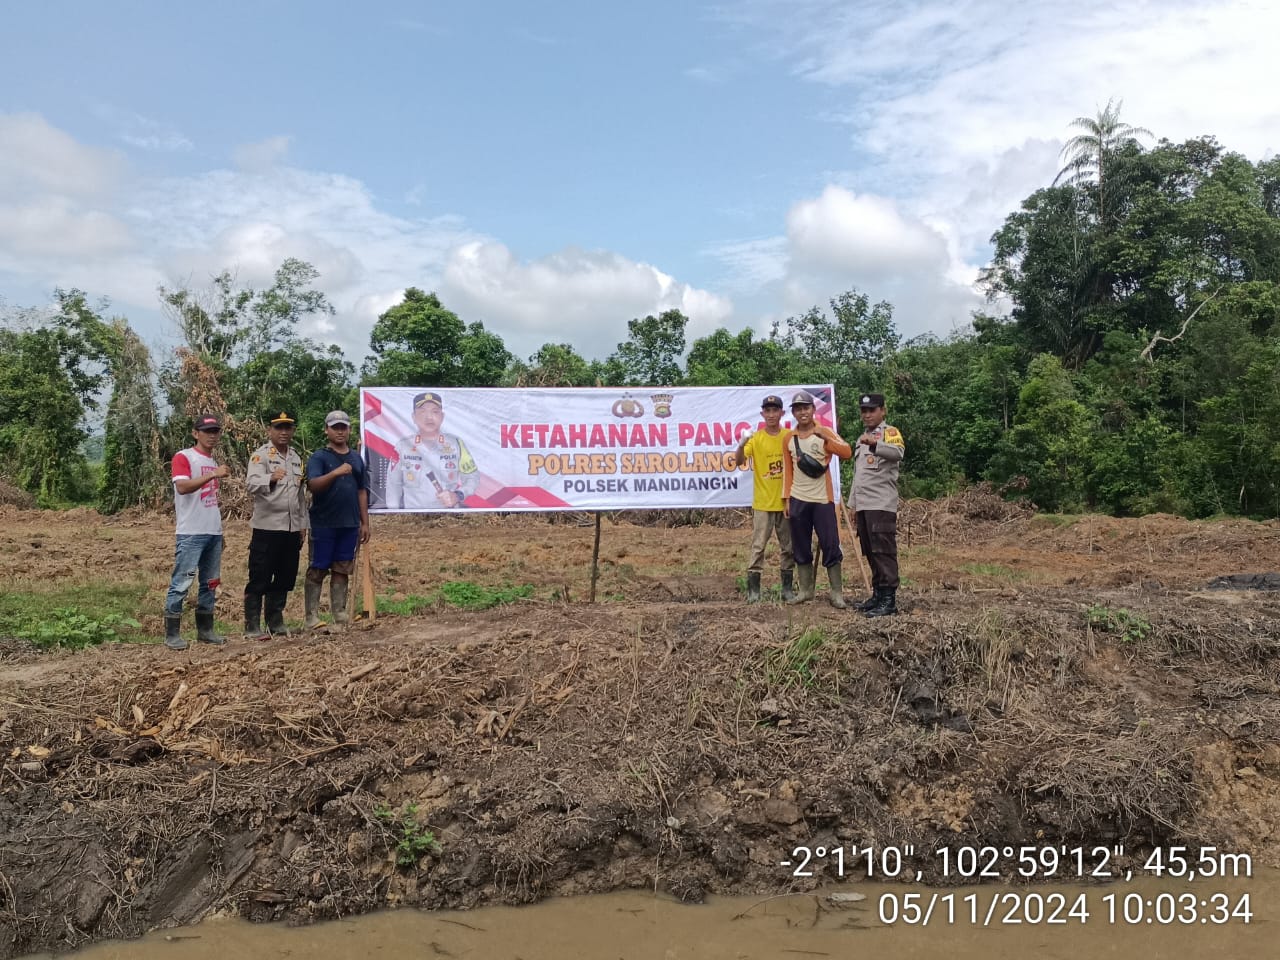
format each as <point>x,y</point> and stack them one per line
<point>198,553</point>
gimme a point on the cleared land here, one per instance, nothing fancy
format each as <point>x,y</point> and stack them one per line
<point>1052,680</point>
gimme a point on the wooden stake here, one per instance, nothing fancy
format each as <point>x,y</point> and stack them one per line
<point>366,578</point>
<point>857,546</point>
<point>595,559</point>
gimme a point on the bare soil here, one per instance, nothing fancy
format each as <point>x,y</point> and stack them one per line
<point>666,736</point>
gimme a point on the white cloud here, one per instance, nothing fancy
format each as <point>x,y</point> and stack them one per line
<point>583,297</point>
<point>261,156</point>
<point>123,235</point>
<point>54,227</point>
<point>142,132</point>
<point>863,235</point>
<point>959,109</point>
<point>37,158</point>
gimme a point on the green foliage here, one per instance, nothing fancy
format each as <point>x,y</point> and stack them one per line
<point>1127,626</point>
<point>132,470</point>
<point>473,596</point>
<point>419,342</point>
<point>88,615</point>
<point>555,365</point>
<point>650,356</point>
<point>413,839</point>
<point>796,664</point>
<point>1043,455</point>
<point>409,606</point>
<point>50,373</point>
<point>725,359</point>
<point>456,593</point>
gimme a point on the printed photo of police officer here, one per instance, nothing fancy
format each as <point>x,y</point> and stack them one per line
<point>433,469</point>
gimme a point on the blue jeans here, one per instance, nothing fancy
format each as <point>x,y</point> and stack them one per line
<point>196,554</point>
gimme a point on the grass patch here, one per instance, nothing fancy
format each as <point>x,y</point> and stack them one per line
<point>995,570</point>
<point>796,664</point>
<point>1126,625</point>
<point>409,606</point>
<point>413,838</point>
<point>83,615</point>
<point>456,593</point>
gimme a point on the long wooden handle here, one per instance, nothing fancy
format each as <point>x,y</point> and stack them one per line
<point>366,576</point>
<point>862,564</point>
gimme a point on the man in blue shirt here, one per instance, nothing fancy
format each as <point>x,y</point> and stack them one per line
<point>339,485</point>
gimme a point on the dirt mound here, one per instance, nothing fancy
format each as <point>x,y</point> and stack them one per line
<point>667,736</point>
<point>13,495</point>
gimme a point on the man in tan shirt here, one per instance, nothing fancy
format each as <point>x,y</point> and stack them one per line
<point>809,497</point>
<point>275,481</point>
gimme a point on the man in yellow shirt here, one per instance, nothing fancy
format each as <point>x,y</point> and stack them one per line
<point>764,448</point>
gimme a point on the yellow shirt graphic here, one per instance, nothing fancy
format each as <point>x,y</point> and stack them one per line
<point>766,466</point>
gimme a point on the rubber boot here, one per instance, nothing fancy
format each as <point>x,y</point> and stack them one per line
<point>753,587</point>
<point>835,577</point>
<point>253,617</point>
<point>888,604</point>
<point>870,602</point>
<point>274,609</point>
<point>805,593</point>
<point>311,601</point>
<point>204,629</point>
<point>338,597</point>
<point>788,586</point>
<point>173,633</point>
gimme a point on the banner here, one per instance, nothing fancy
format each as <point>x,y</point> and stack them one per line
<point>593,448</point>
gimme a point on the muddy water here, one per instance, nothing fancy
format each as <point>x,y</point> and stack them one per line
<point>638,926</point>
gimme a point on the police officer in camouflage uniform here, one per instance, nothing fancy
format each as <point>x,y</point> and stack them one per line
<point>276,482</point>
<point>874,501</point>
<point>433,469</point>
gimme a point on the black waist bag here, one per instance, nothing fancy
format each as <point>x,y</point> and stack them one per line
<point>808,465</point>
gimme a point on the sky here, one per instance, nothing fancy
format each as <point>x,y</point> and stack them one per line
<point>554,170</point>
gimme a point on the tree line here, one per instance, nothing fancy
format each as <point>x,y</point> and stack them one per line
<point>1136,370</point>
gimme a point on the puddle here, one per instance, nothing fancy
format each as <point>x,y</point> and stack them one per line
<point>1146,918</point>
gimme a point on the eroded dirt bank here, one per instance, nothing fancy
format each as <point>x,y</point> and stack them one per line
<point>672,737</point>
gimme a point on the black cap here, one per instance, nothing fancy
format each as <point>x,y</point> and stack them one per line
<point>802,398</point>
<point>428,397</point>
<point>207,422</point>
<point>283,419</point>
<point>870,401</point>
<point>771,401</point>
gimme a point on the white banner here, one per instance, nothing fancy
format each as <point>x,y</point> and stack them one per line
<point>597,448</point>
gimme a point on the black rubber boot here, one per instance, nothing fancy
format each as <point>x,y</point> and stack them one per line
<point>204,629</point>
<point>274,608</point>
<point>753,587</point>
<point>253,617</point>
<point>173,633</point>
<point>870,602</point>
<point>888,604</point>
<point>788,585</point>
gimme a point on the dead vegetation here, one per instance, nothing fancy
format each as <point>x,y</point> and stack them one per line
<point>554,747</point>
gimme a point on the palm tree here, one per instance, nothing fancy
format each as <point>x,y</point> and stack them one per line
<point>1087,154</point>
